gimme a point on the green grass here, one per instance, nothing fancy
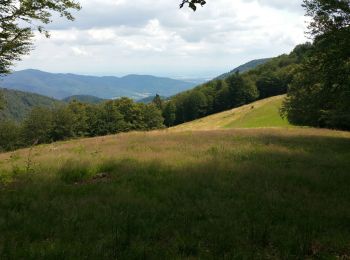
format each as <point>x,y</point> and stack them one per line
<point>266,115</point>
<point>228,194</point>
<point>262,113</point>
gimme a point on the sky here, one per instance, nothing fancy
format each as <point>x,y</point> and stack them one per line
<point>120,37</point>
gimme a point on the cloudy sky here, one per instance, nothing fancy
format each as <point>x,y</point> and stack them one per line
<point>119,37</point>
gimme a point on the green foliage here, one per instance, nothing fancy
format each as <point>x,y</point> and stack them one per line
<point>111,119</point>
<point>241,90</point>
<point>327,15</point>
<point>195,105</point>
<point>18,104</point>
<point>63,124</point>
<point>65,121</point>
<point>79,116</point>
<point>245,67</point>
<point>18,20</point>
<point>10,136</point>
<point>169,113</point>
<point>152,117</point>
<point>320,93</point>
<point>84,99</point>
<point>231,90</point>
<point>158,102</point>
<point>37,127</point>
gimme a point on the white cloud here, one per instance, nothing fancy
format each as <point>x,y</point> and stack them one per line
<point>154,36</point>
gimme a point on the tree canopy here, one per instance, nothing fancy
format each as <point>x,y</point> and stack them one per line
<point>19,19</point>
<point>320,92</point>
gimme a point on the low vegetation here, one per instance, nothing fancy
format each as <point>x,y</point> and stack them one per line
<point>258,193</point>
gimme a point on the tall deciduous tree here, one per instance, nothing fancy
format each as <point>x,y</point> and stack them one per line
<point>320,93</point>
<point>18,21</point>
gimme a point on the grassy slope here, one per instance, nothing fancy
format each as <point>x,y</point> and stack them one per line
<point>263,113</point>
<point>238,193</point>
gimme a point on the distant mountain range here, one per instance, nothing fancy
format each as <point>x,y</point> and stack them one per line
<point>60,86</point>
<point>87,89</point>
<point>245,67</point>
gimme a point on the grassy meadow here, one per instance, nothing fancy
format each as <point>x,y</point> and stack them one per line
<point>262,113</point>
<point>270,193</point>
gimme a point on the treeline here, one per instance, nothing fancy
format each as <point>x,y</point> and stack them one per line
<point>269,79</point>
<point>45,125</point>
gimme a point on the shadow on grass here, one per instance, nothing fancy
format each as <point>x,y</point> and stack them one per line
<point>265,205</point>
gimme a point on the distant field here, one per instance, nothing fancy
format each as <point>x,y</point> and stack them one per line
<point>229,194</point>
<point>263,113</point>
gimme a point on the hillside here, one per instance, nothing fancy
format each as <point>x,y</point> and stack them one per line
<point>262,113</point>
<point>175,195</point>
<point>84,99</point>
<point>64,85</point>
<point>269,79</point>
<point>148,100</point>
<point>18,103</point>
<point>245,67</point>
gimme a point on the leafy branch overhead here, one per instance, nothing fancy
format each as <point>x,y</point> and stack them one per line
<point>20,18</point>
<point>193,3</point>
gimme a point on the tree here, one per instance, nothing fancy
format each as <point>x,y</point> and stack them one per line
<point>37,126</point>
<point>242,90</point>
<point>222,98</point>
<point>111,120</point>
<point>131,112</point>
<point>169,113</point>
<point>158,102</point>
<point>80,118</point>
<point>152,117</point>
<point>10,137</point>
<point>327,15</point>
<point>62,124</point>
<point>19,19</point>
<point>195,105</point>
<point>320,92</point>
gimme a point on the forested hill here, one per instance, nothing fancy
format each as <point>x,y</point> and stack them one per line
<point>233,90</point>
<point>64,85</point>
<point>84,99</point>
<point>18,104</point>
<point>245,67</point>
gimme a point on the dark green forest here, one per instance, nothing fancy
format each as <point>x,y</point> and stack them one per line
<point>62,122</point>
<point>18,104</point>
